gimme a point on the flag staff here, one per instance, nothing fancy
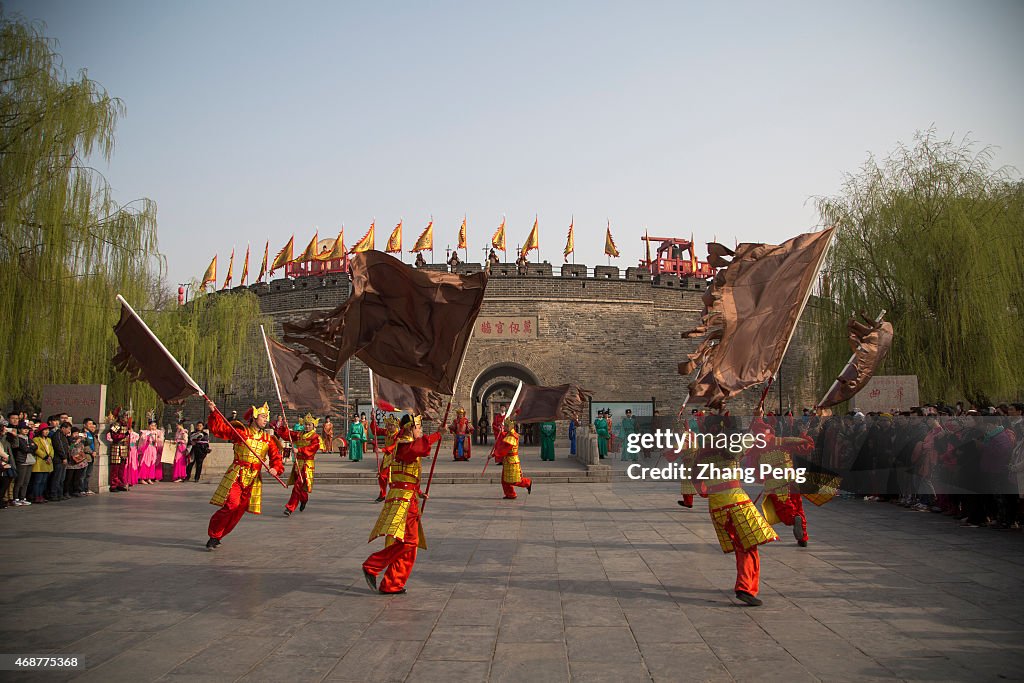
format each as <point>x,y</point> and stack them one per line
<point>455,386</point>
<point>373,420</point>
<point>300,472</point>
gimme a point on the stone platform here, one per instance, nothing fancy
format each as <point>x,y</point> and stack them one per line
<point>606,582</point>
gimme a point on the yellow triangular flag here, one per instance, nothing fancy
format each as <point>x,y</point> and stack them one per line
<point>210,275</point>
<point>266,261</point>
<point>284,257</point>
<point>368,242</point>
<point>338,250</point>
<point>532,240</point>
<point>426,239</point>
<point>570,243</point>
<point>395,241</point>
<point>498,239</point>
<point>245,268</point>
<point>311,251</point>
<point>231,265</point>
<point>609,244</point>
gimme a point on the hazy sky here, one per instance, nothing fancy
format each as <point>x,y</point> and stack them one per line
<point>249,120</point>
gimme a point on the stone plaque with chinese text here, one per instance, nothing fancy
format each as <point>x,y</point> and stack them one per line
<point>506,327</point>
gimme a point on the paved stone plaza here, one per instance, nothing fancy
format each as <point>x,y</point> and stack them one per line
<point>588,582</point>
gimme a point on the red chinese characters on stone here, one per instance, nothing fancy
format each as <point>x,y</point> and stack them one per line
<point>513,328</point>
<point>527,326</point>
<point>485,327</point>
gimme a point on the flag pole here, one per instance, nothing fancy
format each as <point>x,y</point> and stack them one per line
<point>373,412</point>
<point>511,407</point>
<point>455,386</point>
<point>194,385</point>
<point>807,296</point>
<point>277,387</point>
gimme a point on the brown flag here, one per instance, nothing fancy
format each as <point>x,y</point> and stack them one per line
<point>417,400</point>
<point>870,341</point>
<point>411,326</point>
<point>750,312</point>
<point>303,385</point>
<point>546,404</point>
<point>141,355</point>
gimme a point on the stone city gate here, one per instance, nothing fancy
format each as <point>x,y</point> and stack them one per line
<point>495,386</point>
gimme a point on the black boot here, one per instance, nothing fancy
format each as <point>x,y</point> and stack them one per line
<point>751,600</point>
<point>379,499</point>
<point>302,505</point>
<point>371,580</point>
<point>213,543</point>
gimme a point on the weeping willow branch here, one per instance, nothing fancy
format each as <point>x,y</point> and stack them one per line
<point>935,235</point>
<point>67,248</point>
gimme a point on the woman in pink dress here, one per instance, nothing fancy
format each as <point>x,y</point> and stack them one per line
<point>180,453</point>
<point>148,457</point>
<point>131,470</point>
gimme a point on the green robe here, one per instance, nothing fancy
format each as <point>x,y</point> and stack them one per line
<point>601,428</point>
<point>547,440</point>
<point>627,427</point>
<point>356,438</point>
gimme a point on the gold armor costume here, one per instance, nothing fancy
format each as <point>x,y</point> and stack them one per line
<point>729,502</point>
<point>245,468</point>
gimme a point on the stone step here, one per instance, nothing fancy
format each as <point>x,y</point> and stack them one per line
<point>564,476</point>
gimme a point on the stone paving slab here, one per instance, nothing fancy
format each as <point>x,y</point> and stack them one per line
<point>603,582</point>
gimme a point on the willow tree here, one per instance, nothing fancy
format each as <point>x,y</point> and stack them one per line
<point>934,234</point>
<point>67,248</point>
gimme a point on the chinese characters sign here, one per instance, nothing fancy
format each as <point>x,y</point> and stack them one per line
<point>883,393</point>
<point>506,327</point>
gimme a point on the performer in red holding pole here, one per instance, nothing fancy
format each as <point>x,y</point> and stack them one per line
<point>390,433</point>
<point>783,501</point>
<point>506,452</point>
<point>738,525</point>
<point>241,488</point>
<point>399,521</point>
<point>307,443</point>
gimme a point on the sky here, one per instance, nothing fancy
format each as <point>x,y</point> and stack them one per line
<point>256,120</point>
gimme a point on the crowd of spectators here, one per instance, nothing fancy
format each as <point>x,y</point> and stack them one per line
<point>54,460</point>
<point>46,461</point>
<point>966,462</point>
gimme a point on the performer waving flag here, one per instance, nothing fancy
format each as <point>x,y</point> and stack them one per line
<point>143,356</point>
<point>410,326</point>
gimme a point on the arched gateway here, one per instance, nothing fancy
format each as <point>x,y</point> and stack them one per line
<point>495,386</point>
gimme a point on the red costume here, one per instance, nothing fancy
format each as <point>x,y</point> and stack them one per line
<point>118,436</point>
<point>399,521</point>
<point>498,425</point>
<point>506,454</point>
<point>390,433</point>
<point>241,489</point>
<point>306,444</point>
<point>461,428</point>
<point>783,501</point>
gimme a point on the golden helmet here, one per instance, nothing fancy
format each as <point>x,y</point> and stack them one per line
<point>254,412</point>
<point>310,422</point>
<point>408,424</point>
<point>460,411</point>
<point>391,423</point>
